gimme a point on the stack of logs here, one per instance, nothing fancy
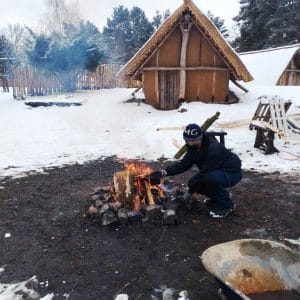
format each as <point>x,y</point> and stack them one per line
<point>131,197</point>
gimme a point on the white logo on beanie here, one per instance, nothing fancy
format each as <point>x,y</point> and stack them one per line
<point>191,132</point>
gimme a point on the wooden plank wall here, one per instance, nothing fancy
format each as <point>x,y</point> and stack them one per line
<point>201,85</point>
<point>206,86</point>
<point>150,87</point>
<point>291,75</point>
<point>168,55</point>
<point>289,78</point>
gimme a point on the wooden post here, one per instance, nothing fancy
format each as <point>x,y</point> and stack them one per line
<point>185,30</point>
<point>240,86</point>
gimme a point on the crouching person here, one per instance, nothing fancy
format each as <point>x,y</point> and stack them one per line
<point>219,169</point>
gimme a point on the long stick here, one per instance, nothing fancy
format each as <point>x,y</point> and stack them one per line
<point>176,144</point>
<point>170,128</point>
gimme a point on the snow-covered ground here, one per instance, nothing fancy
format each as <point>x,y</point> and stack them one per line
<point>33,139</point>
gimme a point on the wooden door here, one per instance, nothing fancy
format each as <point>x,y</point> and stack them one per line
<point>168,89</point>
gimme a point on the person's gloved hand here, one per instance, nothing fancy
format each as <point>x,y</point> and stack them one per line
<point>156,176</point>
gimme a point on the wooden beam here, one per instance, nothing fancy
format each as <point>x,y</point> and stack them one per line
<point>296,71</point>
<point>157,87</point>
<point>184,68</point>
<point>240,86</point>
<point>185,31</point>
<point>214,82</point>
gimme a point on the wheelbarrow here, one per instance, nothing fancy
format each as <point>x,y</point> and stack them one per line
<point>254,269</point>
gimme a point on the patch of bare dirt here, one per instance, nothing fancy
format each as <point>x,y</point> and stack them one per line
<point>78,256</point>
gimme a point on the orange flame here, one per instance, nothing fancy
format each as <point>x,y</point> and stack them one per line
<point>138,168</point>
<point>139,171</point>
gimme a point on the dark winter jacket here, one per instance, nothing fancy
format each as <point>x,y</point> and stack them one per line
<point>211,156</point>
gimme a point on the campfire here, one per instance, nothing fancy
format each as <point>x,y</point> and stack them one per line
<point>131,197</point>
<point>132,188</point>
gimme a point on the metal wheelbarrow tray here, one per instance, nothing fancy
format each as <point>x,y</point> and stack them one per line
<point>254,269</point>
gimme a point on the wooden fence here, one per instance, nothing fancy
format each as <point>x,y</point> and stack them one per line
<point>30,81</point>
<point>4,83</point>
<point>103,78</point>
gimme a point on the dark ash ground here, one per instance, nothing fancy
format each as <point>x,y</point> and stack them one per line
<point>51,239</point>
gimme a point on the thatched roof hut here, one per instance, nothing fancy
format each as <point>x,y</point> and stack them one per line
<point>188,59</point>
<point>274,66</point>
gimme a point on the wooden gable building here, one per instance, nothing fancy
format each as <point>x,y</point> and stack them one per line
<point>186,59</point>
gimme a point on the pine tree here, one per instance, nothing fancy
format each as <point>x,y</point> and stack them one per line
<point>6,56</point>
<point>157,19</point>
<point>141,30</point>
<point>166,14</point>
<point>282,23</point>
<point>252,32</point>
<point>117,35</point>
<point>267,23</point>
<point>125,33</point>
<point>219,24</point>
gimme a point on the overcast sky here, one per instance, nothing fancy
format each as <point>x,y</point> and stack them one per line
<point>30,12</point>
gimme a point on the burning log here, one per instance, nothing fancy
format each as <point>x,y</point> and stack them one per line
<point>124,188</point>
<point>146,184</point>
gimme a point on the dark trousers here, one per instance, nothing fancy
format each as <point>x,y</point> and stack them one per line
<point>213,184</point>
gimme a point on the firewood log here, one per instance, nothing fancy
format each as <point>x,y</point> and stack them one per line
<point>124,187</point>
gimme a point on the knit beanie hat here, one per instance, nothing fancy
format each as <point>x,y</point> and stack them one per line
<point>192,132</point>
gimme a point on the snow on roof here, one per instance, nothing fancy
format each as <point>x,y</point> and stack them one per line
<point>266,66</point>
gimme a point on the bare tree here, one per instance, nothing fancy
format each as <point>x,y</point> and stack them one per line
<point>15,34</point>
<point>58,13</point>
